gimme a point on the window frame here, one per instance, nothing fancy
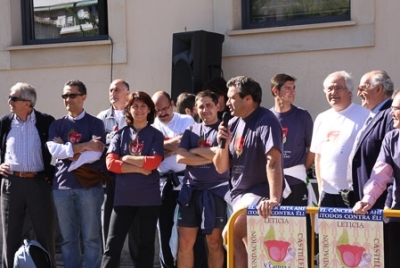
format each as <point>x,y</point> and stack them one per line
<point>28,26</point>
<point>246,19</point>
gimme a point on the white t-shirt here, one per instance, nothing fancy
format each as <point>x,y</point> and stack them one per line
<point>118,114</point>
<point>333,138</point>
<point>172,129</point>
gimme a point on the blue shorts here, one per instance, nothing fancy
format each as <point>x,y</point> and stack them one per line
<point>191,215</point>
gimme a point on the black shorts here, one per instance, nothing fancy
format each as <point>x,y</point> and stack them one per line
<point>191,215</point>
<point>298,196</point>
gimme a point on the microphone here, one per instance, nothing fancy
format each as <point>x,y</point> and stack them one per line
<point>225,118</point>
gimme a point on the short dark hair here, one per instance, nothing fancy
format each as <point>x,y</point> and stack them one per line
<point>77,83</point>
<point>140,96</point>
<point>207,93</point>
<point>279,80</point>
<point>246,86</point>
<point>185,100</point>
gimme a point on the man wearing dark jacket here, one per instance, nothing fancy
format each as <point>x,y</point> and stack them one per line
<point>25,170</point>
<point>375,91</point>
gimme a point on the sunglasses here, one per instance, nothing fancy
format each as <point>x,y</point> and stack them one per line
<point>71,96</point>
<point>14,98</point>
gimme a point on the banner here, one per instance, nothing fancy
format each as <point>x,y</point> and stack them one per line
<point>278,241</point>
<point>350,240</point>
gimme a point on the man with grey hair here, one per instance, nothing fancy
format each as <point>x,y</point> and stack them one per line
<point>375,91</point>
<point>26,171</point>
<point>333,136</point>
<point>385,169</point>
<point>114,119</point>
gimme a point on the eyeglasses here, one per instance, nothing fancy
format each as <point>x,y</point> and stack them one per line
<point>337,89</point>
<point>71,96</point>
<point>395,108</point>
<point>364,87</point>
<point>14,98</point>
<point>163,109</point>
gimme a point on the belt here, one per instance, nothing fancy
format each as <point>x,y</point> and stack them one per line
<point>166,174</point>
<point>26,174</point>
<point>173,177</point>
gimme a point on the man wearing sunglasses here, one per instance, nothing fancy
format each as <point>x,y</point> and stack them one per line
<point>26,172</point>
<point>78,204</point>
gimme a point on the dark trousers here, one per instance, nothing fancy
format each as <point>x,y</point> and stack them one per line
<point>332,200</point>
<point>18,197</point>
<point>121,221</point>
<point>133,242</point>
<point>297,198</point>
<point>391,243</point>
<point>166,223</point>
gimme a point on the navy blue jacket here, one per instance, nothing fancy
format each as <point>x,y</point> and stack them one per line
<point>367,152</point>
<point>206,201</point>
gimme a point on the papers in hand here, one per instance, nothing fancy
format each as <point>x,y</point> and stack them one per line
<point>86,157</point>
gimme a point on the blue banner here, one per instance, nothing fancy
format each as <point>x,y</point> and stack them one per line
<point>347,214</point>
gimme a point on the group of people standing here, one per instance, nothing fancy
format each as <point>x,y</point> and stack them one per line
<point>355,149</point>
<point>152,159</point>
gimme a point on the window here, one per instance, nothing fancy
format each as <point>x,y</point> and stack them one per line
<point>49,21</point>
<point>274,13</point>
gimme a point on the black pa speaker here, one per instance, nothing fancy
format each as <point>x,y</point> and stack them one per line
<point>196,58</point>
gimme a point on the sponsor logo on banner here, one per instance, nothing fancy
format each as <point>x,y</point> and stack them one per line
<point>278,241</point>
<point>350,240</point>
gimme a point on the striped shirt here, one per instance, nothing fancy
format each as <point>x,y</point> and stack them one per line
<point>23,146</point>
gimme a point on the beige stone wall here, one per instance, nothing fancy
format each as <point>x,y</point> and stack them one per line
<point>142,35</point>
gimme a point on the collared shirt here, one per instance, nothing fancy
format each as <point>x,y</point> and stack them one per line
<point>377,108</point>
<point>80,116</point>
<point>381,175</point>
<point>111,122</point>
<point>371,116</point>
<point>23,146</point>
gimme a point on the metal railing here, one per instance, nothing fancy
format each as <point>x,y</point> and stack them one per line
<point>228,239</point>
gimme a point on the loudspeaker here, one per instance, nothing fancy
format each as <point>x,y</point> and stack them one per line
<point>196,58</point>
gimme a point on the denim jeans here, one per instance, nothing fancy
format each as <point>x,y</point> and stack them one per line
<point>79,211</point>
